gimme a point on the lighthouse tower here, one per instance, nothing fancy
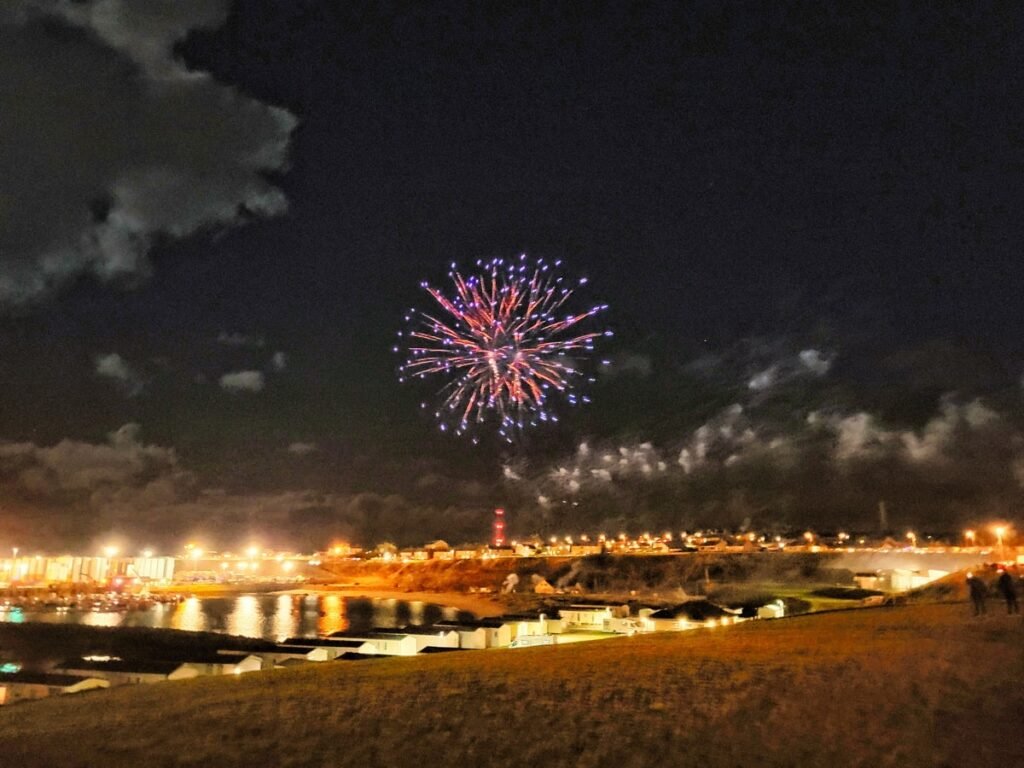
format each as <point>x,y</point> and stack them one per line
<point>498,528</point>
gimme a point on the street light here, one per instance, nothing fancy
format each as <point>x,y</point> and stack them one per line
<point>999,531</point>
<point>969,535</point>
<point>109,551</point>
<point>913,539</point>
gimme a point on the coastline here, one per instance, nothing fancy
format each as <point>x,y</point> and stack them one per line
<point>481,605</point>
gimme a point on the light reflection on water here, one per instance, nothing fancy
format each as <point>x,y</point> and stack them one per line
<point>272,617</point>
<point>247,618</point>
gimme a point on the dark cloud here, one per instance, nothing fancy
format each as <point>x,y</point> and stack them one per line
<point>118,143</point>
<point>115,368</point>
<point>243,381</point>
<point>66,494</point>
<point>823,467</point>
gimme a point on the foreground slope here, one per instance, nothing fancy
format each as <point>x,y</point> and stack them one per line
<point>914,686</point>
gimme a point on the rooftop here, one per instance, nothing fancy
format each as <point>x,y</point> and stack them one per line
<point>123,665</point>
<point>52,679</point>
<point>295,643</point>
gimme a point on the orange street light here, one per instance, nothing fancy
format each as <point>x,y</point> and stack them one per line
<point>1000,532</point>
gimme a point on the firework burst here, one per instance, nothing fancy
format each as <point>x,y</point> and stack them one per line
<point>507,344</point>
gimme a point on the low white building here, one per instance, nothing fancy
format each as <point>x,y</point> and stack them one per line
<point>596,618</point>
<point>691,615</point>
<point>424,637</point>
<point>123,672</point>
<point>482,633</point>
<point>222,662</point>
<point>403,642</point>
<point>904,579</point>
<point>471,638</point>
<point>533,626</point>
<point>776,609</point>
<point>27,686</point>
<point>321,648</point>
<point>870,580</point>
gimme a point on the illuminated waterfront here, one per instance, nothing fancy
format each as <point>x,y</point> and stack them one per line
<point>271,617</point>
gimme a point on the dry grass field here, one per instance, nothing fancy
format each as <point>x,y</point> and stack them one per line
<point>923,685</point>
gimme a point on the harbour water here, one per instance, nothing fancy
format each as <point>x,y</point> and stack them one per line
<point>266,616</point>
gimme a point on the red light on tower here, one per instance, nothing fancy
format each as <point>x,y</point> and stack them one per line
<point>499,527</point>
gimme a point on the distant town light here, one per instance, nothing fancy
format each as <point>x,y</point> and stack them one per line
<point>109,551</point>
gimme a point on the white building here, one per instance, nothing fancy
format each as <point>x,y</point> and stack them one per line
<point>403,642</point>
<point>596,618</point>
<point>904,579</point>
<point>321,648</point>
<point>121,672</point>
<point>533,626</point>
<point>26,686</point>
<point>482,633</point>
<point>222,662</point>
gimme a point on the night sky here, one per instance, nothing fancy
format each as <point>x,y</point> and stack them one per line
<point>805,218</point>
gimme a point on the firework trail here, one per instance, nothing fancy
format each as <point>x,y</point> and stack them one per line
<point>507,343</point>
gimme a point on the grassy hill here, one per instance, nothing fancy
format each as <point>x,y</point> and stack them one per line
<point>923,685</point>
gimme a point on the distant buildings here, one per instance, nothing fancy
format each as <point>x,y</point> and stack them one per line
<point>72,569</point>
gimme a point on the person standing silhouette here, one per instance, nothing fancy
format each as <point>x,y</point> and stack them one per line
<point>1008,590</point>
<point>978,592</point>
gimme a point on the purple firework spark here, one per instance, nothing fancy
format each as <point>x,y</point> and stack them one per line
<point>506,344</point>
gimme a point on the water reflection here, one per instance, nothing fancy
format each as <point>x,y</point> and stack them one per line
<point>332,615</point>
<point>189,616</point>
<point>102,619</point>
<point>284,623</point>
<point>272,617</point>
<point>247,618</point>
